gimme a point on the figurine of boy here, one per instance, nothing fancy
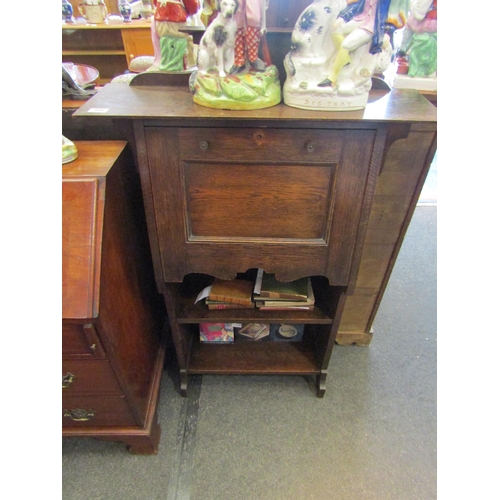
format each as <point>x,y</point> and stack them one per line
<point>251,25</point>
<point>361,23</point>
<point>169,43</point>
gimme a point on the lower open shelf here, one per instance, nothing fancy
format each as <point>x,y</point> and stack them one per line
<point>258,358</point>
<point>306,355</point>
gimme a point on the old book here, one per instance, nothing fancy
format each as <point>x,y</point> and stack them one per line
<point>271,288</point>
<point>287,303</point>
<point>253,332</point>
<point>287,332</point>
<point>217,333</point>
<point>215,305</point>
<point>232,291</point>
<point>285,308</point>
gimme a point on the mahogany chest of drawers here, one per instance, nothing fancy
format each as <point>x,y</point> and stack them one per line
<point>112,348</point>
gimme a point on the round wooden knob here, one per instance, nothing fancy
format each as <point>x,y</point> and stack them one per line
<point>203,145</point>
<point>310,147</point>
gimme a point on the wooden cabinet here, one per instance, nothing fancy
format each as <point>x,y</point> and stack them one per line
<point>137,42</point>
<point>112,348</point>
<point>287,190</point>
<point>290,200</point>
<point>107,47</point>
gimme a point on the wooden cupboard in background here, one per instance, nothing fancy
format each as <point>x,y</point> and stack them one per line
<point>107,47</point>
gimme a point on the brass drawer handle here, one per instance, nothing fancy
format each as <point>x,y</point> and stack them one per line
<point>67,379</point>
<point>79,415</point>
<point>310,147</point>
<point>203,145</point>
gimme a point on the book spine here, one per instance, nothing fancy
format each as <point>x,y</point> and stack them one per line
<point>284,303</point>
<point>283,308</point>
<point>232,300</point>
<point>214,307</point>
<point>284,296</point>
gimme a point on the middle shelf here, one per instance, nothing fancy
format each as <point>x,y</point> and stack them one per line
<point>187,311</point>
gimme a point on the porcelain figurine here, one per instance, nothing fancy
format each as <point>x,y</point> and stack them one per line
<point>209,12</point>
<point>69,150</point>
<point>173,49</point>
<point>67,12</point>
<point>229,73</point>
<point>125,10</point>
<point>337,46</point>
<point>251,25</point>
<point>419,42</point>
<point>147,10</point>
<point>94,11</point>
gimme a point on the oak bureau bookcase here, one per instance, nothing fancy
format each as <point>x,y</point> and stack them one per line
<point>287,190</point>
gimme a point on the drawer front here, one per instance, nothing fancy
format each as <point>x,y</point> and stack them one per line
<point>81,341</point>
<point>81,411</point>
<point>288,201</point>
<point>259,145</point>
<point>90,377</point>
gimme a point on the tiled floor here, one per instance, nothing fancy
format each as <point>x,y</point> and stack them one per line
<point>428,196</point>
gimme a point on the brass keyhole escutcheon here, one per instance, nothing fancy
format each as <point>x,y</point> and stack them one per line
<point>259,138</point>
<point>79,414</point>
<point>67,379</point>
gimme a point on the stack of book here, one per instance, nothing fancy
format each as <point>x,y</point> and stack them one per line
<point>228,294</point>
<point>271,294</point>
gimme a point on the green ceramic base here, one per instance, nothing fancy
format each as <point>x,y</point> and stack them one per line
<point>246,90</point>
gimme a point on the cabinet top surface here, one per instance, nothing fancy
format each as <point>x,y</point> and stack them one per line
<point>95,158</point>
<point>172,103</point>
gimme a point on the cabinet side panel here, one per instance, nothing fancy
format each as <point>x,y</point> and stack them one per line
<point>162,153</point>
<point>396,194</point>
<point>132,311</point>
<point>351,190</point>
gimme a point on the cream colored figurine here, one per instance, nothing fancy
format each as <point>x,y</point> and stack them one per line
<point>346,44</point>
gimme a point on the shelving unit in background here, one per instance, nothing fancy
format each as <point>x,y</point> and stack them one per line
<point>107,47</point>
<point>110,47</point>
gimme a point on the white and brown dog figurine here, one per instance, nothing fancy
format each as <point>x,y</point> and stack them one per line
<point>216,49</point>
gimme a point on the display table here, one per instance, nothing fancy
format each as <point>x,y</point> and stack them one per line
<point>295,192</point>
